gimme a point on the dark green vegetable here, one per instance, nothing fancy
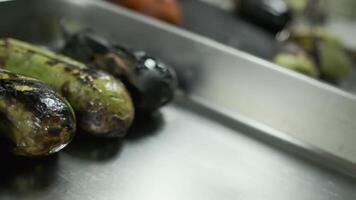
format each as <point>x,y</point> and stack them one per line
<point>292,57</point>
<point>36,120</point>
<point>299,63</point>
<point>101,103</point>
<point>334,62</point>
<point>326,49</point>
<point>308,37</point>
<point>151,83</point>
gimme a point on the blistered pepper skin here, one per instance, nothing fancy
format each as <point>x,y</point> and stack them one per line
<point>151,82</point>
<point>36,120</point>
<point>102,105</point>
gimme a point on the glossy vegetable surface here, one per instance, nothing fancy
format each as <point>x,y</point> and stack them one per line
<point>101,103</point>
<point>151,83</point>
<point>36,120</point>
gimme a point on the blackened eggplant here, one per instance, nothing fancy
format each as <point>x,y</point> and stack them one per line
<point>150,82</point>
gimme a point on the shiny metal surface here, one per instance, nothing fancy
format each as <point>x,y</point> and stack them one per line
<point>186,157</point>
<point>225,149</point>
<point>317,114</point>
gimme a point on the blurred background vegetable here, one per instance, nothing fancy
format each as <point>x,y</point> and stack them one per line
<point>166,10</point>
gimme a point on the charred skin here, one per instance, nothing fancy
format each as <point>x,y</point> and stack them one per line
<point>150,82</point>
<point>36,120</point>
<point>102,104</point>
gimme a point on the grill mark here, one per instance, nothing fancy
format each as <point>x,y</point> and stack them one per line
<point>52,62</point>
<point>5,116</point>
<point>89,74</point>
<point>50,57</point>
<point>30,51</point>
<point>65,89</point>
<point>2,62</point>
<point>58,119</point>
<point>32,99</point>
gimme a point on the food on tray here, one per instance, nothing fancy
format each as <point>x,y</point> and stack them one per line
<point>36,120</point>
<point>308,37</point>
<point>335,64</point>
<point>297,62</point>
<point>101,103</point>
<point>311,11</point>
<point>150,82</point>
<point>324,49</point>
<point>292,57</point>
<point>334,61</point>
<point>166,10</point>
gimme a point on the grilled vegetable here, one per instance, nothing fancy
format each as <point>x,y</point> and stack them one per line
<point>334,62</point>
<point>36,120</point>
<point>150,82</point>
<point>101,103</point>
<point>309,11</point>
<point>291,56</point>
<point>326,49</point>
<point>299,63</point>
<point>308,37</point>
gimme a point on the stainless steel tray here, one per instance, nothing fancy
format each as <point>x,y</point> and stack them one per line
<point>241,129</point>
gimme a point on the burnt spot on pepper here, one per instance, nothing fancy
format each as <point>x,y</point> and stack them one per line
<point>49,120</point>
<point>151,83</point>
<point>52,62</point>
<point>84,84</point>
<point>2,61</point>
<point>65,90</point>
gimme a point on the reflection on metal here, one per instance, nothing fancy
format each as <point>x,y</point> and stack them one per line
<point>194,153</point>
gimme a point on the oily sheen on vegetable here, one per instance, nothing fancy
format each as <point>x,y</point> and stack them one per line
<point>101,103</point>
<point>34,119</point>
<point>150,82</point>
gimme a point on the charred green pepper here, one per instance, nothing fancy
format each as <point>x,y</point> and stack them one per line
<point>101,103</point>
<point>36,120</point>
<point>334,62</point>
<point>294,58</point>
<point>151,83</point>
<point>326,49</point>
<point>299,63</point>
